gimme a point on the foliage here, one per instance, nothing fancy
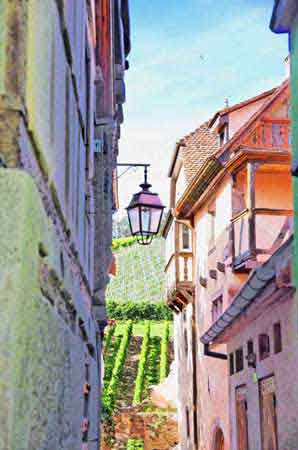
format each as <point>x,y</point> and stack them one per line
<point>134,444</point>
<point>152,366</point>
<point>110,360</point>
<point>108,339</point>
<point>139,386</point>
<point>140,273</point>
<point>109,394</point>
<point>123,242</point>
<point>156,328</point>
<point>121,227</point>
<point>137,311</point>
<point>164,363</point>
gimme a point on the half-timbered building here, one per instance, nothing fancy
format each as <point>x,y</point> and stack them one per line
<point>231,286</point>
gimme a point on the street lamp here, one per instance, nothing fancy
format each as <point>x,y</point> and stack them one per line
<point>145,213</point>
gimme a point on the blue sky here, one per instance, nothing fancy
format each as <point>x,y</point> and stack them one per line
<point>187,57</point>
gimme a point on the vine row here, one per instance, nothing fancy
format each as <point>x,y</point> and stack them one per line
<point>139,386</point>
<point>164,363</point>
<point>109,397</point>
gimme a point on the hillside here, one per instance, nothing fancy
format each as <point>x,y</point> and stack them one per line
<point>137,356</point>
<point>140,273</point>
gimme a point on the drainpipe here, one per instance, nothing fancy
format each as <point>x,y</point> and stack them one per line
<point>208,352</point>
<point>194,365</point>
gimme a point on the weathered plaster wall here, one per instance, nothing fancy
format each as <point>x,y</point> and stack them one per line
<point>183,346</point>
<point>240,116</point>
<point>42,353</point>
<point>282,365</point>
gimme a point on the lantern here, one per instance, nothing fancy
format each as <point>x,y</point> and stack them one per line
<point>145,213</point>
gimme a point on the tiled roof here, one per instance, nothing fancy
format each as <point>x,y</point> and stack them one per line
<point>196,148</point>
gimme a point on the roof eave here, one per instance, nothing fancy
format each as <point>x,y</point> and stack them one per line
<point>283,15</point>
<point>174,159</point>
<point>167,225</point>
<point>264,275</point>
<point>206,173</point>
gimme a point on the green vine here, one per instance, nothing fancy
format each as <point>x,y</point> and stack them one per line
<point>139,386</point>
<point>109,395</point>
<point>164,363</point>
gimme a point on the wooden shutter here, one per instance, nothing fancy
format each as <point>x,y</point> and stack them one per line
<point>241,418</point>
<point>268,414</point>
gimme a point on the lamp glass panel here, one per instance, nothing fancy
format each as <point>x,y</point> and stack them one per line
<point>134,218</point>
<point>155,219</point>
<point>146,214</point>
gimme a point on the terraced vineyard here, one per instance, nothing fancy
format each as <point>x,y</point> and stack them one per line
<point>139,349</point>
<point>140,272</point>
<point>137,356</point>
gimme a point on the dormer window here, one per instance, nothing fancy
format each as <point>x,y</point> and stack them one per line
<point>222,137</point>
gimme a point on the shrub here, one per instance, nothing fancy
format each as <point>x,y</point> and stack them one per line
<point>110,361</point>
<point>108,339</point>
<point>164,366</point>
<point>123,242</point>
<point>139,386</point>
<point>135,445</point>
<point>136,311</point>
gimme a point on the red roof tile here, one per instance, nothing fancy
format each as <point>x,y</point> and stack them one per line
<point>196,148</point>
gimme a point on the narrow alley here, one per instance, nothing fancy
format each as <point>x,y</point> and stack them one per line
<point>148,262</point>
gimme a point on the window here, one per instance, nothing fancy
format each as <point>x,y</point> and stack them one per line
<point>222,137</point>
<point>264,346</point>
<point>187,422</point>
<point>217,308</point>
<point>185,238</point>
<point>231,363</point>
<point>277,337</point>
<point>239,359</point>
<point>250,347</point>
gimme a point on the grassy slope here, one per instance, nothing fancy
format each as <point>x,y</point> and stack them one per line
<point>140,273</point>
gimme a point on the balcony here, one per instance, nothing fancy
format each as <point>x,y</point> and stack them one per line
<point>257,234</point>
<point>270,134</point>
<point>179,265</point>
<point>179,278</point>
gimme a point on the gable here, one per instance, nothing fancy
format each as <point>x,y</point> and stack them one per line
<point>269,127</point>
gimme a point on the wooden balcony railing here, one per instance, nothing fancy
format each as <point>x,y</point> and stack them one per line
<point>179,271</point>
<point>259,232</point>
<point>270,133</point>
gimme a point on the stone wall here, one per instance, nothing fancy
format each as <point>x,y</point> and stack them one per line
<point>157,430</point>
<point>56,224</point>
<point>42,350</point>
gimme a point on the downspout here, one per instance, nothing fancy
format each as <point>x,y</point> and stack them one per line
<point>194,365</point>
<point>208,352</point>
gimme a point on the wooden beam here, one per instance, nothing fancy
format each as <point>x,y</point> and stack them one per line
<point>251,203</point>
<point>105,53</point>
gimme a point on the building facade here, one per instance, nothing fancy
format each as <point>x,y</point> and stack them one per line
<point>233,293</point>
<point>62,88</point>
<point>285,20</point>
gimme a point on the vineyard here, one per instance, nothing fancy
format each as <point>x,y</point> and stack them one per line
<point>138,350</point>
<point>137,356</point>
<point>140,271</point>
